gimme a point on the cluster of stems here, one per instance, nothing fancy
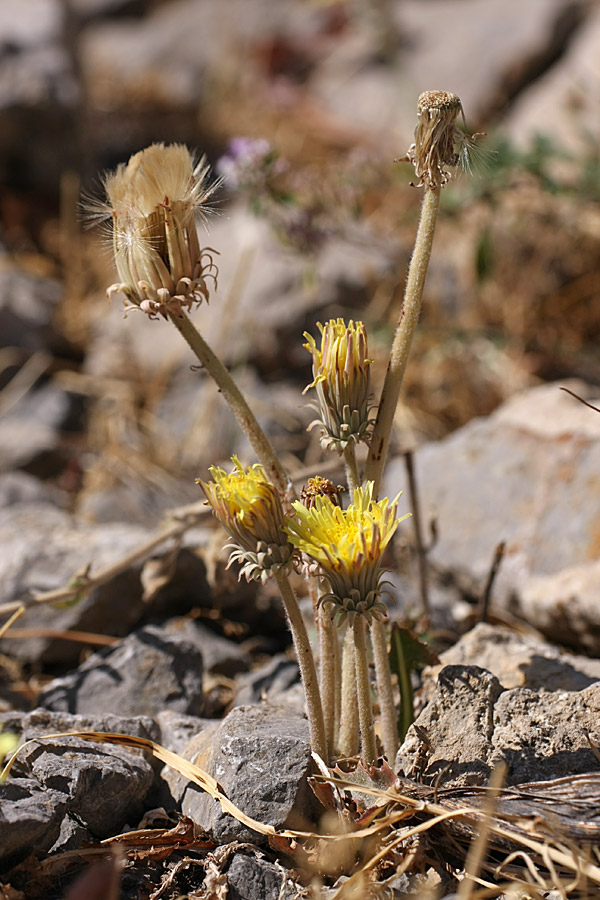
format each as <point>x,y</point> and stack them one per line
<point>340,549</point>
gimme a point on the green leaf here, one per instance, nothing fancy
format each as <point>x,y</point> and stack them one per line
<point>408,653</point>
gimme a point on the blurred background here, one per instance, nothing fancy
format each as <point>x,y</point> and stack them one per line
<point>302,106</point>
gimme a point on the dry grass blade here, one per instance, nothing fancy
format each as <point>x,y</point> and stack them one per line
<point>195,774</point>
<point>14,618</point>
<point>531,832</point>
<point>80,637</point>
<point>479,844</point>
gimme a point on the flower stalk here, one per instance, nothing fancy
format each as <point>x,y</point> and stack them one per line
<point>249,507</point>
<point>439,145</point>
<point>237,403</point>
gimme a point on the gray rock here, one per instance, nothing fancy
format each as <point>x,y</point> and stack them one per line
<point>561,102</point>
<point>526,475</point>
<point>253,878</point>
<point>178,729</point>
<point>43,549</point>
<point>86,10</point>
<point>380,100</point>
<point>30,819</point>
<point>27,305</point>
<point>42,721</point>
<point>277,681</point>
<point>260,755</point>
<point>145,673</point>
<point>519,660</point>
<point>220,655</point>
<point>31,431</point>
<point>105,785</point>
<point>472,723</point>
<point>20,488</point>
<point>35,68</point>
<point>64,791</point>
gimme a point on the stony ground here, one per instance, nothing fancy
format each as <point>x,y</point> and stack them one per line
<point>104,425</point>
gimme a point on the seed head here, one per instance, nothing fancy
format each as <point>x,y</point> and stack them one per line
<point>341,371</point>
<point>439,142</point>
<point>320,487</point>
<point>249,508</point>
<point>348,546</point>
<point>153,202</point>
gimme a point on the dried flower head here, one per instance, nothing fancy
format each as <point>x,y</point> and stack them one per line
<point>153,202</point>
<point>439,142</point>
<point>320,487</point>
<point>249,508</point>
<point>341,371</point>
<point>348,545</point>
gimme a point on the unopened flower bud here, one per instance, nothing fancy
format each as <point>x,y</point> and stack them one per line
<point>341,371</point>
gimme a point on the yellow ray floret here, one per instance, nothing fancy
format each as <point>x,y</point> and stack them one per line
<point>249,508</point>
<point>348,545</point>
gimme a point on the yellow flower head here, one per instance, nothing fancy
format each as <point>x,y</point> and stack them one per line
<point>153,202</point>
<point>341,371</point>
<point>348,545</point>
<point>249,508</point>
<point>439,142</point>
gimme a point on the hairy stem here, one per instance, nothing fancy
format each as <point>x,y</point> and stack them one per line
<point>234,397</point>
<point>351,467</point>
<point>348,737</point>
<point>385,691</point>
<point>328,641</point>
<point>363,692</point>
<point>307,666</point>
<point>407,323</point>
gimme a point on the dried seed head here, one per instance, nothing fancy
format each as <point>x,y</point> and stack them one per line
<point>153,202</point>
<point>439,142</point>
<point>320,487</point>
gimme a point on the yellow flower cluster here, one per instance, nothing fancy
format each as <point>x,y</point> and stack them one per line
<point>341,378</point>
<point>348,545</point>
<point>249,508</point>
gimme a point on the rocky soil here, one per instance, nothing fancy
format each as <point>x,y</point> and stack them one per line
<point>105,424</point>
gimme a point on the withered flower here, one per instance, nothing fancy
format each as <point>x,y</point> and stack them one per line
<point>439,142</point>
<point>154,201</point>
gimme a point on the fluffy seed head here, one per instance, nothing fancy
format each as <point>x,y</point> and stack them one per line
<point>153,202</point>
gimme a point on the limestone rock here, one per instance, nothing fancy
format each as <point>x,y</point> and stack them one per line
<point>260,755</point>
<point>472,723</point>
<point>145,673</point>
<point>526,475</point>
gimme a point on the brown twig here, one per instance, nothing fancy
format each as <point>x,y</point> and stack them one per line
<point>484,606</point>
<point>420,547</point>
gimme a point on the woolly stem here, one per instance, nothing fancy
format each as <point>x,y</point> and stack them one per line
<point>407,323</point>
<point>234,397</point>
<point>351,467</point>
<point>348,737</point>
<point>385,691</point>
<point>329,652</point>
<point>363,692</point>
<point>307,666</point>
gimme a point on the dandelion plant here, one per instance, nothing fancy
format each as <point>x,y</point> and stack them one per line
<point>154,202</point>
